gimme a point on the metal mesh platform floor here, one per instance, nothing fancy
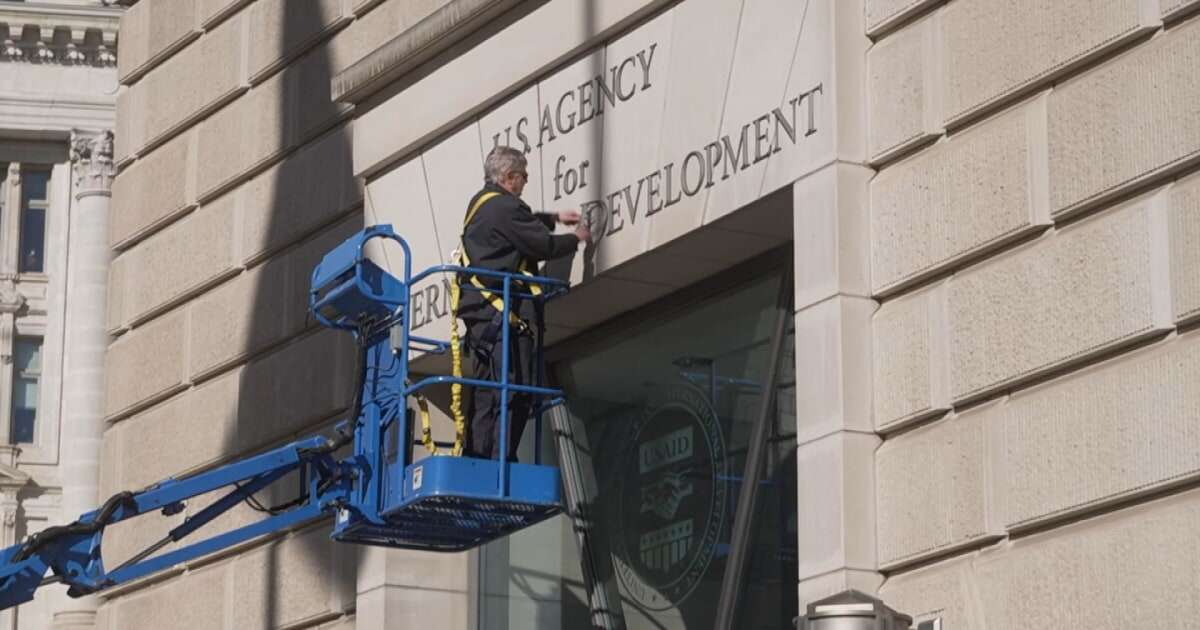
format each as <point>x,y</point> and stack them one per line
<point>448,523</point>
<point>455,503</point>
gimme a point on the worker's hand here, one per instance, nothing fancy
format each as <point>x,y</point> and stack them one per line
<point>569,217</point>
<point>582,232</point>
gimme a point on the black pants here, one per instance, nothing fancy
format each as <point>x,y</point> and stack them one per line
<point>485,342</point>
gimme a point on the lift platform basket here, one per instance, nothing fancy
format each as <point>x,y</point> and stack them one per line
<point>378,494</point>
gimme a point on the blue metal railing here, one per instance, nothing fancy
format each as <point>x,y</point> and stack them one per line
<point>369,280</point>
<point>349,292</point>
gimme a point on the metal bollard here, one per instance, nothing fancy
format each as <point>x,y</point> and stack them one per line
<point>854,610</point>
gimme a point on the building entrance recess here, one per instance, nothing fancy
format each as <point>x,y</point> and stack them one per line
<point>665,419</point>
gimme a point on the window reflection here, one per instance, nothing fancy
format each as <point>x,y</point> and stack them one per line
<point>27,373</point>
<point>666,413</point>
<point>34,202</point>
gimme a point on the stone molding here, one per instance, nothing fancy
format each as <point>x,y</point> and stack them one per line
<point>11,300</point>
<point>436,33</point>
<point>92,161</point>
<point>59,35</point>
<point>8,462</point>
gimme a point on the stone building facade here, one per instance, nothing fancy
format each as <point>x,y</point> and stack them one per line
<point>57,107</point>
<point>979,218</point>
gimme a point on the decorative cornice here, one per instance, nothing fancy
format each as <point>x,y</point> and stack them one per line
<point>11,300</point>
<point>437,32</point>
<point>58,34</point>
<point>92,159</point>
<point>10,476</point>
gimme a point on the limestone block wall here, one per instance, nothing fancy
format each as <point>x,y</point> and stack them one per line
<point>235,178</point>
<point>1034,223</point>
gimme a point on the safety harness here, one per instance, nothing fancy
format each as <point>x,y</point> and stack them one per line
<point>461,259</point>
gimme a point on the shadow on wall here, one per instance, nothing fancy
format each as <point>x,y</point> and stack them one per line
<point>303,385</point>
<point>572,610</point>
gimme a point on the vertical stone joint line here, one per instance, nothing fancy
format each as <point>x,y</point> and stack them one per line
<point>185,376</point>
<point>244,38</point>
<point>932,75</point>
<point>994,472</point>
<point>1162,303</point>
<point>237,246</point>
<point>192,169</point>
<point>939,346</point>
<point>1150,13</point>
<point>1038,163</point>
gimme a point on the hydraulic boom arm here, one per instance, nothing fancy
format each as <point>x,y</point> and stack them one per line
<point>73,552</point>
<point>364,476</point>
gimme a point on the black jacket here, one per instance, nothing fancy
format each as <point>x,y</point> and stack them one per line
<point>503,233</point>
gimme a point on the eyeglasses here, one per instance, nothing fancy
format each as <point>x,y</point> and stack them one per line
<point>522,174</point>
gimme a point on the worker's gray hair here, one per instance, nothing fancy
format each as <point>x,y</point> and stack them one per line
<point>500,162</point>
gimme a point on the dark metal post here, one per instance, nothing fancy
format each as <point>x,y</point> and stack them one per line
<point>503,446</point>
<point>603,596</point>
<point>539,357</point>
<point>743,520</point>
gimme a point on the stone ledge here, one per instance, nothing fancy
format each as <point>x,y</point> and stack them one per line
<point>363,6</point>
<point>1178,9</point>
<point>1146,131</point>
<point>822,586</point>
<point>1115,431</point>
<point>1123,570</point>
<point>1075,293</point>
<point>77,20</point>
<point>904,91</point>
<point>966,195</point>
<point>831,231</point>
<point>212,12</point>
<point>993,52</point>
<point>154,192</point>
<point>1185,249</point>
<point>940,590</point>
<point>152,35</point>
<point>432,35</point>
<point>836,500</point>
<point>1139,559</point>
<point>910,353</point>
<point>837,335</point>
<point>280,34</point>
<point>884,15</point>
<point>187,87</point>
<point>934,494</point>
<point>150,361</point>
<point>549,35</point>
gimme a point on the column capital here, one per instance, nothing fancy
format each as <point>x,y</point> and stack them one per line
<point>92,162</point>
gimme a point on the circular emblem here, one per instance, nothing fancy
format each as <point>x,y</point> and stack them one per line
<point>671,500</point>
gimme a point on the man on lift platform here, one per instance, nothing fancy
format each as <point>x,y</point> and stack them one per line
<point>501,233</point>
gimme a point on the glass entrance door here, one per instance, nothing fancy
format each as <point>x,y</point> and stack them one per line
<point>663,413</point>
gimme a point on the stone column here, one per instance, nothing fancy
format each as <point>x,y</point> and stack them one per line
<point>835,433</point>
<point>11,300</point>
<point>10,505</point>
<point>12,482</point>
<point>11,303</point>
<point>86,342</point>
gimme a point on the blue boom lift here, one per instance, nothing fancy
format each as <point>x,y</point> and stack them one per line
<point>376,494</point>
